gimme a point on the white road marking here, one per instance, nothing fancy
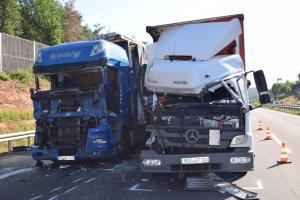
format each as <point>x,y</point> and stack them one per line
<point>77,180</point>
<point>279,142</point>
<point>108,169</point>
<point>19,171</point>
<point>135,188</point>
<point>36,197</point>
<point>117,165</point>
<point>71,189</point>
<point>55,189</point>
<point>52,198</point>
<point>90,180</point>
<point>259,186</point>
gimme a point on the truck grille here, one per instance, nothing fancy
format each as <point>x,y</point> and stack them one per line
<point>66,132</point>
<point>176,137</point>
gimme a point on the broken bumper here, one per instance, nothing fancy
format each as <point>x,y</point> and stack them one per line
<point>77,154</point>
<point>218,162</point>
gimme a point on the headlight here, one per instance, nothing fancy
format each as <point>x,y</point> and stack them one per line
<point>151,162</point>
<point>240,160</point>
<point>100,141</point>
<point>239,139</point>
<point>98,48</point>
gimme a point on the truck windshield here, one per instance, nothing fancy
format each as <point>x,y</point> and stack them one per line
<point>81,80</point>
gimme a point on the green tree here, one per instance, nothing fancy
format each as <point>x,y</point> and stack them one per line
<point>86,33</point>
<point>276,89</point>
<point>42,20</point>
<point>98,28</point>
<point>298,77</point>
<point>287,88</point>
<point>10,17</point>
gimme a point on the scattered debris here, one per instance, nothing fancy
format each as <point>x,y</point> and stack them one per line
<point>64,166</point>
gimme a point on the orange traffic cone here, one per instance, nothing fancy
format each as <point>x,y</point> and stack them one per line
<point>283,155</point>
<point>268,134</point>
<point>259,128</point>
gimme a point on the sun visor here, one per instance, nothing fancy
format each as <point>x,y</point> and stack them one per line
<point>201,41</point>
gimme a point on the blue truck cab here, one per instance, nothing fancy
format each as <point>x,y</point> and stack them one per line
<point>91,110</point>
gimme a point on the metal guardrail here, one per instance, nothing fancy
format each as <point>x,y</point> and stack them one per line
<point>16,136</point>
<point>284,107</point>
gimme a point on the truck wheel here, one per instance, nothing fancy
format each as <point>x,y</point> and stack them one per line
<point>39,163</point>
<point>124,146</point>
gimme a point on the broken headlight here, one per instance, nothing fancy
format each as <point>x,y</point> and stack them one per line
<point>239,139</point>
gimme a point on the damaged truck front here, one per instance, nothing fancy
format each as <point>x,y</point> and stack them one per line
<point>90,110</point>
<point>199,101</point>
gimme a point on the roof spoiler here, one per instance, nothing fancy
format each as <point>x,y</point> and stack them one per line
<point>155,31</point>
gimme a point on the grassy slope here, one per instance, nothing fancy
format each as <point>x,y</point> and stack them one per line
<point>15,103</point>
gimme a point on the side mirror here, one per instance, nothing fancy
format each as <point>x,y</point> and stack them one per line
<point>31,90</point>
<point>262,87</point>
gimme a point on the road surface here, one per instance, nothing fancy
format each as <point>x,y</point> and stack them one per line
<point>20,180</point>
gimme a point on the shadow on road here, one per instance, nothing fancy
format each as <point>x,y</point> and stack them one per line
<point>263,140</point>
<point>275,165</point>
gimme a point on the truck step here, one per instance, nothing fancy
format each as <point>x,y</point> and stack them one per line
<point>202,184</point>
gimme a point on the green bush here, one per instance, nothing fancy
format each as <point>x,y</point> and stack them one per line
<point>4,76</point>
<point>8,115</point>
<point>25,76</point>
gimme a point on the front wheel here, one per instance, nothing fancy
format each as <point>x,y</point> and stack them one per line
<point>124,147</point>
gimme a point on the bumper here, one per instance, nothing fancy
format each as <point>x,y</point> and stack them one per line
<point>79,154</point>
<point>219,162</point>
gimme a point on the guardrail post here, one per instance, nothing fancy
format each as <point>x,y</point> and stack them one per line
<point>8,146</point>
<point>28,141</point>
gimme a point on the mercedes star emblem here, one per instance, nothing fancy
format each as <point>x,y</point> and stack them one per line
<point>192,136</point>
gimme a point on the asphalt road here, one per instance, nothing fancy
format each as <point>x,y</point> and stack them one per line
<point>20,180</point>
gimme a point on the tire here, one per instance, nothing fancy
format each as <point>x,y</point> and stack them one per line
<point>124,147</point>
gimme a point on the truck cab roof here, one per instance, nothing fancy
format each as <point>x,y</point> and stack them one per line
<point>213,36</point>
<point>81,55</point>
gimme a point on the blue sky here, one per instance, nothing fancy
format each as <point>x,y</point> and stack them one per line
<point>272,27</point>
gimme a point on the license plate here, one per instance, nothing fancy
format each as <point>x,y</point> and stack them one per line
<point>194,160</point>
<point>214,137</point>
<point>66,158</point>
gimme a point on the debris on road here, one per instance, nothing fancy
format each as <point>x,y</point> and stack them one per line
<point>64,166</point>
<point>212,182</point>
<point>235,191</point>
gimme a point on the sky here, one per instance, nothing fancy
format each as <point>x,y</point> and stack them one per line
<point>272,27</point>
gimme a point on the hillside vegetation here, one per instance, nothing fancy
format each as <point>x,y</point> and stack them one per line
<point>15,103</point>
<point>287,92</point>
